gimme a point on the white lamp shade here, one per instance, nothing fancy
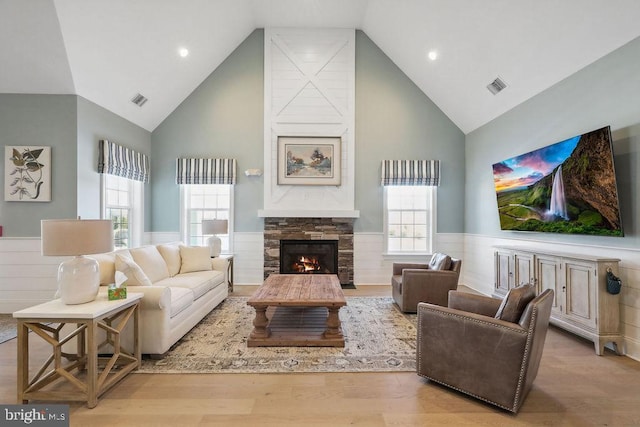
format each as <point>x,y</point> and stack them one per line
<point>62,237</point>
<point>78,278</point>
<point>215,226</point>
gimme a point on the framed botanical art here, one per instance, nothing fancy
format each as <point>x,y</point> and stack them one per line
<point>27,173</point>
<point>308,160</point>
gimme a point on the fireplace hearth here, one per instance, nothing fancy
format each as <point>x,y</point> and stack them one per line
<point>308,256</point>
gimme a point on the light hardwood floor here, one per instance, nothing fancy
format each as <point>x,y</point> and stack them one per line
<point>574,387</point>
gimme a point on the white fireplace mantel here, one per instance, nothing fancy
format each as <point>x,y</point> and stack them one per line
<point>296,213</point>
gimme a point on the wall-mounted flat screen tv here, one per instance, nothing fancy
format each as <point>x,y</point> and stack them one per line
<point>567,187</point>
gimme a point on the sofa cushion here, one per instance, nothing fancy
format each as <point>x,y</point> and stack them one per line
<point>135,275</point>
<point>181,299</point>
<point>515,302</point>
<point>107,267</point>
<point>151,262</point>
<point>195,258</point>
<point>200,282</point>
<point>440,262</point>
<point>171,255</point>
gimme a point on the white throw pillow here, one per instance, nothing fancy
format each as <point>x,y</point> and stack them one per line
<point>195,258</point>
<point>171,255</point>
<point>135,275</point>
<point>151,262</point>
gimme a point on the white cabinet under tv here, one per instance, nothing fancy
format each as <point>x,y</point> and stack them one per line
<point>582,304</point>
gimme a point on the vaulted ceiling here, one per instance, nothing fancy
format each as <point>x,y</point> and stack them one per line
<point>109,50</point>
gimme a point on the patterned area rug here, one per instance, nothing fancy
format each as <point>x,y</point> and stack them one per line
<point>8,327</point>
<point>378,338</point>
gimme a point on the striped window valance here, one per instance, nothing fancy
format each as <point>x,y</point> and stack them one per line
<point>411,172</point>
<point>117,160</point>
<point>206,171</point>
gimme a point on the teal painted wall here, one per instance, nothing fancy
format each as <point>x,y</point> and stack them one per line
<point>48,120</point>
<point>96,123</point>
<point>71,126</point>
<point>603,93</point>
<point>224,117</point>
<point>395,120</point>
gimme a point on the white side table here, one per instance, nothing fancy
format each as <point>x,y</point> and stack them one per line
<point>47,320</point>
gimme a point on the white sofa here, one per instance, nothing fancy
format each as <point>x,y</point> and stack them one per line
<point>180,284</point>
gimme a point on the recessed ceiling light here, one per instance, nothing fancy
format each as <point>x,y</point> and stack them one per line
<point>433,55</point>
<point>183,52</point>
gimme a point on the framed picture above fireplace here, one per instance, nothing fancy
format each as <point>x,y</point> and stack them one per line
<point>304,160</point>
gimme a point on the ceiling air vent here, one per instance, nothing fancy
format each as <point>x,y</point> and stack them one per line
<point>139,100</point>
<point>496,86</point>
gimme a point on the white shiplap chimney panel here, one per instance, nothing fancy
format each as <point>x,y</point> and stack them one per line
<point>309,88</point>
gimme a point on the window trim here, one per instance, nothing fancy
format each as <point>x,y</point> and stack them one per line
<point>431,223</point>
<point>136,211</point>
<point>184,233</point>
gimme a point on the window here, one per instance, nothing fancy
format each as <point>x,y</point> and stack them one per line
<point>122,202</point>
<point>409,218</point>
<point>206,201</point>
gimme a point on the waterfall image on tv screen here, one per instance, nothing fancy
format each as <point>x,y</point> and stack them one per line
<point>567,187</point>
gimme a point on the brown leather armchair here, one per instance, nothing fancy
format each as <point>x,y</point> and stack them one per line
<point>412,283</point>
<point>464,347</point>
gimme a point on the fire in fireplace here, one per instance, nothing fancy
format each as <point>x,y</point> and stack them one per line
<point>308,265</point>
<point>309,256</point>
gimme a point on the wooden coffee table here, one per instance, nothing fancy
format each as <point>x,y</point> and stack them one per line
<point>298,310</point>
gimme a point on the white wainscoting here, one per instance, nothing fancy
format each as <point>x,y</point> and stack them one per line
<point>248,258</point>
<point>159,237</point>
<point>478,268</point>
<point>26,277</point>
<point>373,267</point>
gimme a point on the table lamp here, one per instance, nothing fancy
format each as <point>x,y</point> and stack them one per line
<point>214,227</point>
<point>79,277</point>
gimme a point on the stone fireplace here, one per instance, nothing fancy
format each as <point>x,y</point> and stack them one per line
<point>301,234</point>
